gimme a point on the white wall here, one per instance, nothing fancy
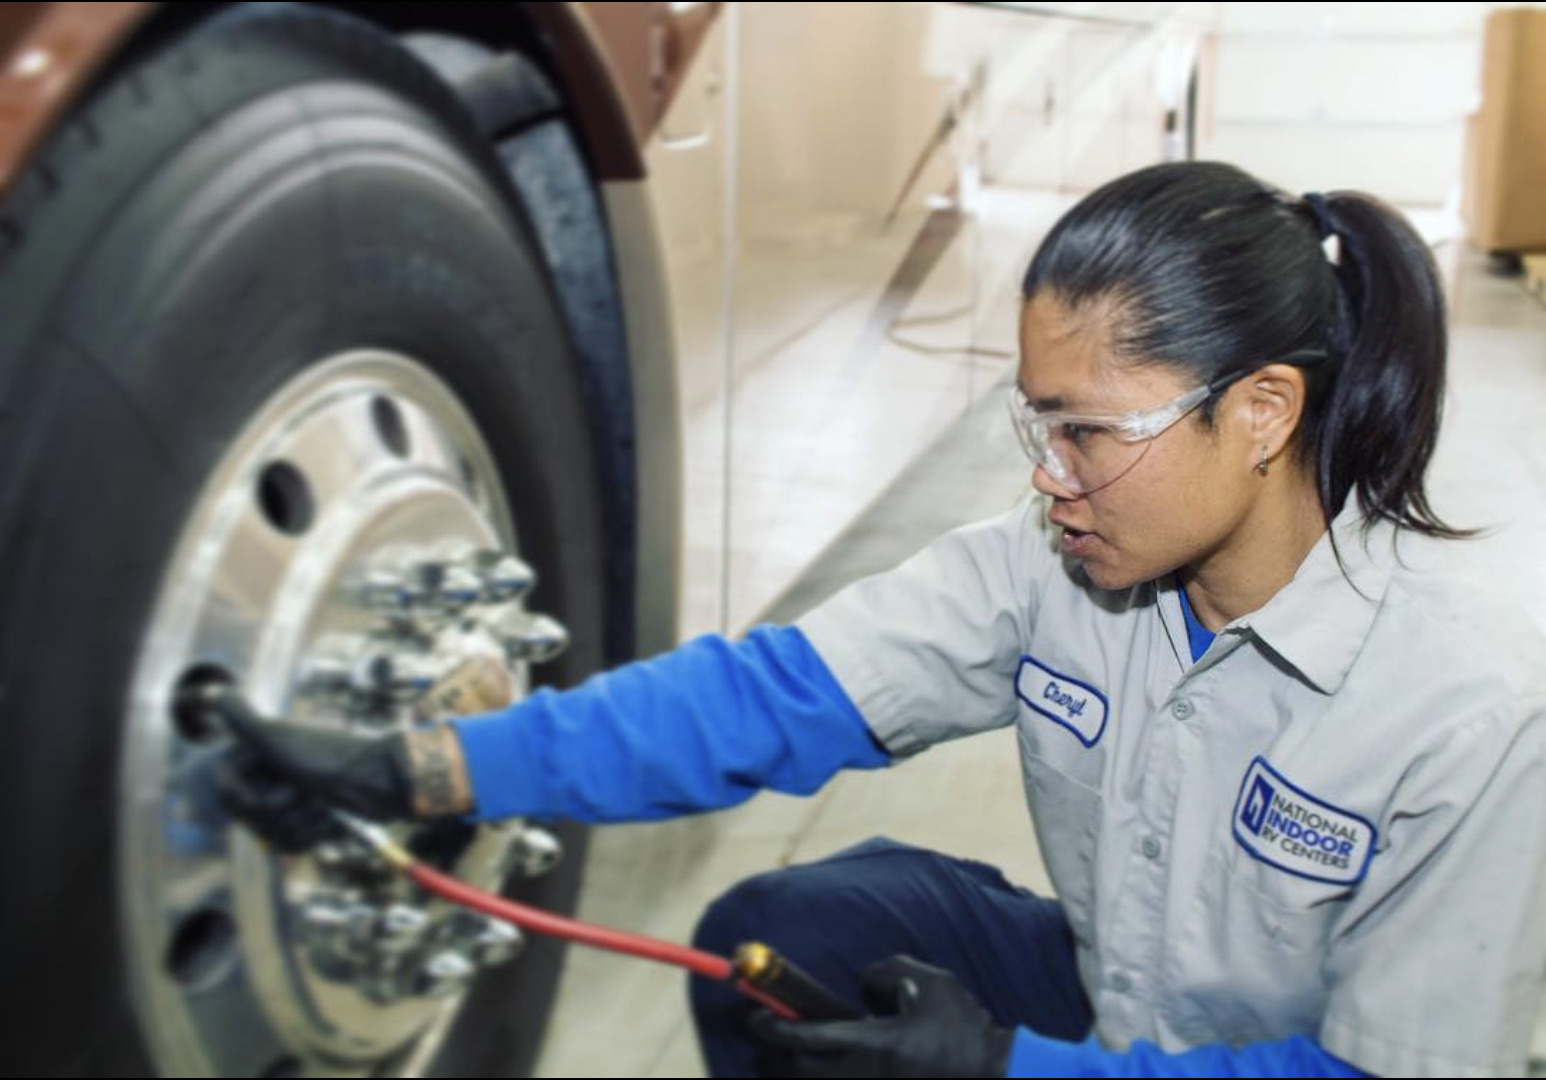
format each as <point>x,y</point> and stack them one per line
<point>1316,96</point>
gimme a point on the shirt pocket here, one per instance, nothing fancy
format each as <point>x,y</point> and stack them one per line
<point>1066,814</point>
<point>1291,908</point>
<point>1249,963</point>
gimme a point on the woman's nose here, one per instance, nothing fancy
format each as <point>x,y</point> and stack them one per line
<point>1044,482</point>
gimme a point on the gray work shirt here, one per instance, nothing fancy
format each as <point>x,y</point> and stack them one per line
<point>1331,824</point>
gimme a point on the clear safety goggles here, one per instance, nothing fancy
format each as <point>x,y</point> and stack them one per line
<point>1085,452</point>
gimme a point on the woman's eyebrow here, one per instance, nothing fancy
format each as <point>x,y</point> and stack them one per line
<point>1053,403</point>
<point>1043,404</point>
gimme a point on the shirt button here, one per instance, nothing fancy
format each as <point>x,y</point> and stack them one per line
<point>1121,983</point>
<point>1182,709</point>
<point>1151,847</point>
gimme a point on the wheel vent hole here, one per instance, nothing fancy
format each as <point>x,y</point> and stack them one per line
<point>390,425</point>
<point>285,498</point>
<point>190,721</point>
<point>202,945</point>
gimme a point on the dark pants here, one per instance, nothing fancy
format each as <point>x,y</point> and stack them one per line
<point>1011,948</point>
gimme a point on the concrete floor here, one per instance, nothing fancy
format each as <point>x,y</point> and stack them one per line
<point>623,1017</point>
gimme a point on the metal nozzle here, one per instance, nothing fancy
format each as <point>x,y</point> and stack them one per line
<point>378,838</point>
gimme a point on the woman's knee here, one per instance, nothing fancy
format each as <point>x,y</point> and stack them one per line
<point>766,904</point>
<point>742,912</point>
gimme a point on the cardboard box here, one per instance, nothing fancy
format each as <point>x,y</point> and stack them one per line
<point>1535,276</point>
<point>1505,184</point>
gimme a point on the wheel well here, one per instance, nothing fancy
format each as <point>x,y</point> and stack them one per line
<point>581,149</point>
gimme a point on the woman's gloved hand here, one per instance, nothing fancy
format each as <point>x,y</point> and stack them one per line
<point>926,1025</point>
<point>283,778</point>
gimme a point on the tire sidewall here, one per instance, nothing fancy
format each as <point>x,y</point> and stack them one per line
<point>305,202</point>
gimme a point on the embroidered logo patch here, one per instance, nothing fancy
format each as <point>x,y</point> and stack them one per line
<point>1075,705</point>
<point>1287,827</point>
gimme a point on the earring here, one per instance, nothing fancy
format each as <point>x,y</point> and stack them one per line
<point>1261,466</point>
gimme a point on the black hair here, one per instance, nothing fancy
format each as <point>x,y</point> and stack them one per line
<point>1206,268</point>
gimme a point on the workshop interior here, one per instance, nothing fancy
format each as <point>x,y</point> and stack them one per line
<point>463,475</point>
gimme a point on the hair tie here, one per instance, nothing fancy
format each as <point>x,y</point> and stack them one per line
<point>1317,204</point>
<point>1331,243</point>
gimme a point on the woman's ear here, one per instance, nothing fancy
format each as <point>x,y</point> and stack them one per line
<point>1274,404</point>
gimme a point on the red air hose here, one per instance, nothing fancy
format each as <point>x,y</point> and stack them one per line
<point>707,964</point>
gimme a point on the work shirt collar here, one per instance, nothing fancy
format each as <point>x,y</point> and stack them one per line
<point>1319,621</point>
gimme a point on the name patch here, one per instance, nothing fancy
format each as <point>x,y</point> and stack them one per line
<point>1063,699</point>
<point>1287,827</point>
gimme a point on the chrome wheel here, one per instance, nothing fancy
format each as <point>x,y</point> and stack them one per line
<point>351,561</point>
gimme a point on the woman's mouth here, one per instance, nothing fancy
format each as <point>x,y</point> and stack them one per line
<point>1077,543</point>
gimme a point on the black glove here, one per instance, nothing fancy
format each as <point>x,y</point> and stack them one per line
<point>926,1024</point>
<point>281,778</point>
<point>284,815</point>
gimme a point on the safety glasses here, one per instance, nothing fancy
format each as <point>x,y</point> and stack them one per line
<point>1085,452</point>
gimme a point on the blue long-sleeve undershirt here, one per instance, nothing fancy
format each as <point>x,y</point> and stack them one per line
<point>702,727</point>
<point>1295,1056</point>
<point>709,724</point>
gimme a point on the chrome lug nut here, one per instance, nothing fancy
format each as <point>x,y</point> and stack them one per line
<point>445,973</point>
<point>338,925</point>
<point>411,675</point>
<point>328,669</point>
<point>340,856</point>
<point>325,920</point>
<point>402,928</point>
<point>396,676</point>
<point>527,637</point>
<point>371,676</point>
<point>424,583</point>
<point>330,856</point>
<point>497,943</point>
<point>361,920</point>
<point>534,852</point>
<point>459,587</point>
<point>385,591</point>
<point>504,577</point>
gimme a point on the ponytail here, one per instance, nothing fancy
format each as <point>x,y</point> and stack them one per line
<point>1377,428</point>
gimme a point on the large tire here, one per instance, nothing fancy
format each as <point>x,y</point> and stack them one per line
<point>279,185</point>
